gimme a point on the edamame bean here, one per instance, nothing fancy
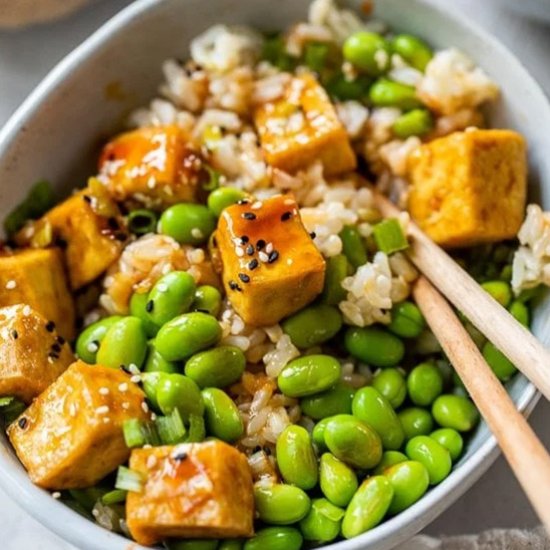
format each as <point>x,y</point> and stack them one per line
<point>296,458</point>
<point>281,504</point>
<point>89,340</point>
<point>208,299</point>
<point>406,320</point>
<point>433,456</point>
<point>150,383</point>
<point>124,343</point>
<point>425,384</point>
<point>454,411</point>
<point>391,384</point>
<point>451,440</point>
<point>368,506</point>
<point>387,93</point>
<point>138,308</point>
<point>417,122</point>
<point>171,296</point>
<point>275,538</point>
<point>499,363</point>
<point>313,325</point>
<point>193,544</point>
<point>216,368</point>
<point>176,391</point>
<point>222,197</point>
<point>186,335</point>
<point>410,480</point>
<point>353,246</point>
<point>187,223</point>
<point>389,458</point>
<point>308,375</point>
<point>413,50</point>
<point>322,523</point>
<point>499,290</point>
<point>337,480</point>
<point>353,441</point>
<point>373,409</point>
<point>336,400</point>
<point>336,271</point>
<point>374,346</point>
<point>368,51</point>
<point>415,421</point>
<point>231,544</point>
<point>318,434</point>
<point>155,362</point>
<point>520,312</point>
<point>222,416</point>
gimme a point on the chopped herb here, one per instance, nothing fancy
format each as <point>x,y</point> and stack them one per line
<point>170,428</point>
<point>129,480</point>
<point>213,180</point>
<point>142,221</point>
<point>389,236</point>
<point>114,497</point>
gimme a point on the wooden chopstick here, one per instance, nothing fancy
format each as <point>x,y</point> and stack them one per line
<point>525,453</point>
<point>485,313</point>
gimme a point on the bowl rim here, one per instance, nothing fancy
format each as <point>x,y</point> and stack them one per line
<point>78,530</point>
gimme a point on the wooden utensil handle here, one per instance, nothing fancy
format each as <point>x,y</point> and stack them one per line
<point>527,457</point>
<point>485,313</point>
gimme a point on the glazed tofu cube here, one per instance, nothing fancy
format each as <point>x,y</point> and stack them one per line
<point>71,436</point>
<point>157,163</point>
<point>193,490</point>
<point>302,127</point>
<point>271,268</point>
<point>93,242</point>
<point>469,187</point>
<point>32,354</point>
<point>36,277</point>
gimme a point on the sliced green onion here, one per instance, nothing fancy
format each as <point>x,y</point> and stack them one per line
<point>274,51</point>
<point>142,221</point>
<point>339,87</point>
<point>170,428</point>
<point>214,179</point>
<point>315,56</point>
<point>389,236</point>
<point>87,497</point>
<point>129,480</point>
<point>197,430</point>
<point>138,433</point>
<point>11,408</point>
<point>114,497</point>
<point>5,401</point>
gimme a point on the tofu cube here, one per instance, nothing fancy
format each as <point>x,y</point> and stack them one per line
<point>36,277</point>
<point>192,490</point>
<point>93,242</point>
<point>157,163</point>
<point>301,127</point>
<point>271,268</point>
<point>32,354</point>
<point>469,187</point>
<point>71,435</point>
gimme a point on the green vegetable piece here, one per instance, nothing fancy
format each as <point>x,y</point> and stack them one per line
<point>222,416</point>
<point>413,50</point>
<point>208,299</point>
<point>451,440</point>
<point>520,312</point>
<point>186,335</point>
<point>369,52</point>
<point>499,290</point>
<point>89,340</point>
<point>425,384</point>
<point>129,480</point>
<point>155,362</point>
<point>309,375</point>
<point>353,441</point>
<point>315,55</point>
<point>124,344</point>
<point>150,384</point>
<point>373,409</point>
<point>222,197</point>
<point>342,88</point>
<point>391,384</point>
<point>406,320</point>
<point>337,480</point>
<point>322,524</point>
<point>281,504</point>
<point>415,421</point>
<point>171,296</point>
<point>10,408</point>
<point>138,308</point>
<point>274,51</point>
<point>116,496</point>
<point>435,458</point>
<point>179,391</point>
<point>217,368</point>
<point>188,223</point>
<point>410,480</point>
<point>353,246</point>
<point>417,122</point>
<point>387,93</point>
<point>313,325</point>
<point>171,428</point>
<point>368,506</point>
<point>142,221</point>
<point>336,400</point>
<point>454,411</point>
<point>318,434</point>
<point>133,432</point>
<point>336,272</point>
<point>374,346</point>
<point>192,544</point>
<point>296,458</point>
<point>231,544</point>
<point>275,538</point>
<point>503,368</point>
<point>389,458</point>
<point>389,236</point>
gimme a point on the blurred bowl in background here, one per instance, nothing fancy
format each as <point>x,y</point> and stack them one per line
<point>536,9</point>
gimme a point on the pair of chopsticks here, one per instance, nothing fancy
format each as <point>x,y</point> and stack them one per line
<point>525,453</point>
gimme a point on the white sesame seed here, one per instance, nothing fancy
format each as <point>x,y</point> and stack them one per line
<point>123,387</point>
<point>257,205</point>
<point>27,311</point>
<point>153,417</point>
<point>196,233</point>
<point>289,202</point>
<point>132,367</point>
<point>10,285</point>
<point>92,347</point>
<point>151,182</point>
<point>56,494</point>
<point>104,409</point>
<point>161,287</point>
<point>147,446</point>
<point>125,405</point>
<point>144,406</point>
<point>72,409</point>
<point>106,420</point>
<point>239,251</point>
<point>151,461</point>
<point>269,248</point>
<point>104,391</point>
<point>136,379</point>
<point>263,257</point>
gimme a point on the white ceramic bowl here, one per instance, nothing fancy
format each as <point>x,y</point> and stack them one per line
<point>535,9</point>
<point>56,133</point>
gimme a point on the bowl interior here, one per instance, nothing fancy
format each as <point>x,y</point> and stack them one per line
<point>57,133</point>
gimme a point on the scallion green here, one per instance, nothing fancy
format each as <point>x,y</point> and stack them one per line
<point>389,236</point>
<point>114,497</point>
<point>170,428</point>
<point>129,480</point>
<point>142,221</point>
<point>197,430</point>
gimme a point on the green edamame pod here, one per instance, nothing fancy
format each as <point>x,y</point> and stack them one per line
<point>417,122</point>
<point>413,50</point>
<point>222,197</point>
<point>171,296</point>
<point>388,93</point>
<point>281,504</point>
<point>391,384</point>
<point>337,480</point>
<point>374,346</point>
<point>296,458</point>
<point>275,538</point>
<point>336,271</point>
<point>499,363</point>
<point>222,416</point>
<point>373,409</point>
<point>138,308</point>
<point>425,384</point>
<point>208,299</point>
<point>433,456</point>
<point>520,312</point>
<point>389,458</point>
<point>451,440</point>
<point>313,325</point>
<point>406,320</point>
<point>336,400</point>
<point>188,223</point>
<point>179,391</point>
<point>155,362</point>
<point>368,506</point>
<point>89,340</point>
<point>308,375</point>
<point>322,523</point>
<point>216,368</point>
<point>410,480</point>
<point>454,411</point>
<point>150,383</point>
<point>368,51</point>
<point>499,290</point>
<point>124,343</point>
<point>415,421</point>
<point>353,246</point>
<point>318,434</point>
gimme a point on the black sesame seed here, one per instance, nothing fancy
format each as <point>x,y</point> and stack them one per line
<point>149,306</point>
<point>22,422</point>
<point>120,236</point>
<point>244,277</point>
<point>260,244</point>
<point>272,257</point>
<point>180,457</point>
<point>53,355</point>
<point>243,201</point>
<point>313,234</point>
<point>113,223</point>
<point>250,250</point>
<point>62,243</point>
<point>50,326</point>
<point>87,199</point>
<point>256,449</point>
<point>267,451</point>
<point>60,340</point>
<point>234,286</point>
<point>286,216</point>
<point>249,216</point>
<point>253,264</point>
<point>56,347</point>
<point>14,334</point>
<point>244,239</point>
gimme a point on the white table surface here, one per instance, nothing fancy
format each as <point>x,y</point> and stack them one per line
<point>26,56</point>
